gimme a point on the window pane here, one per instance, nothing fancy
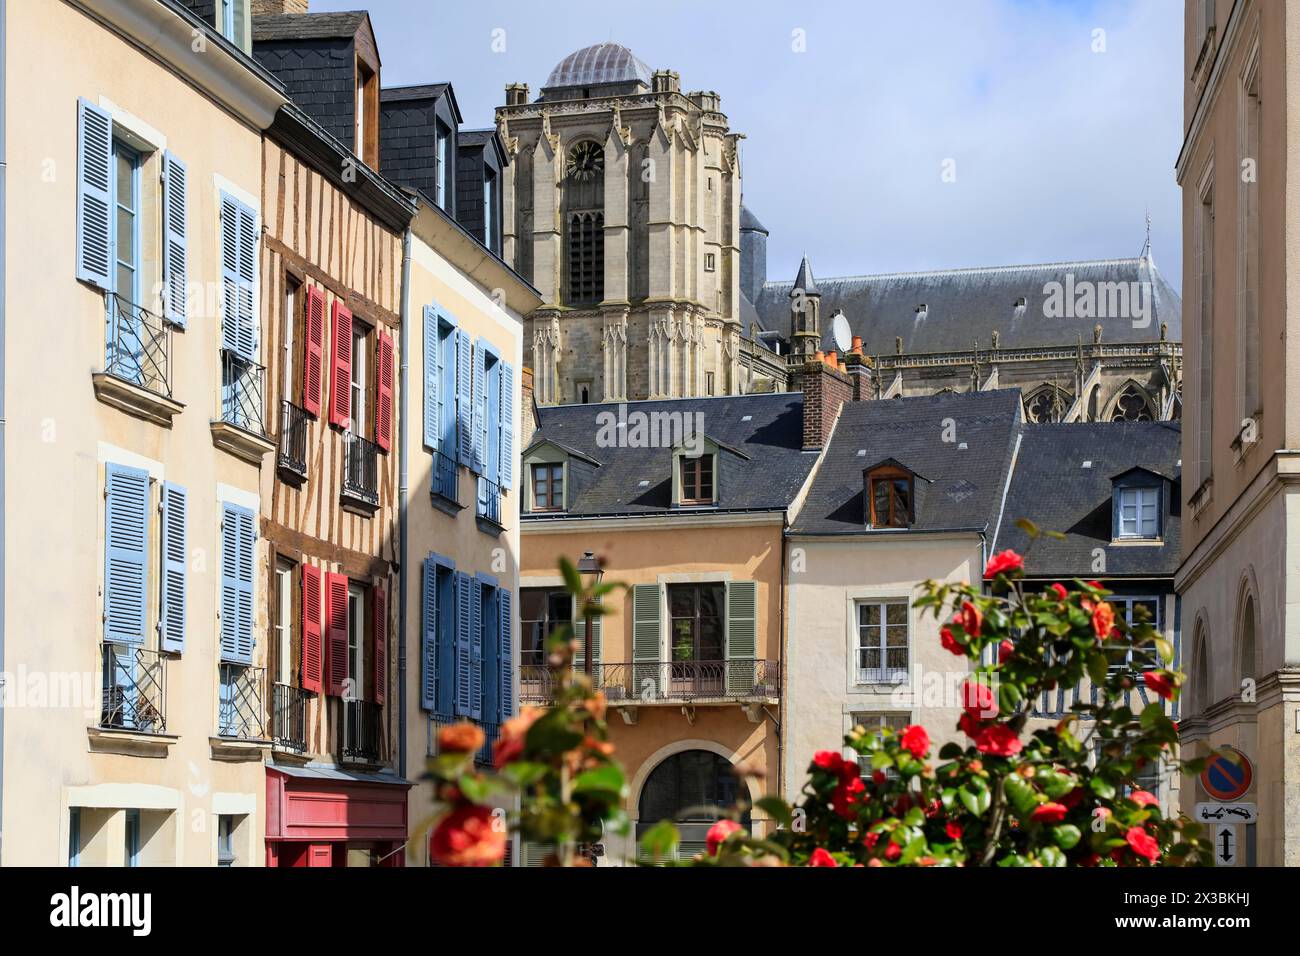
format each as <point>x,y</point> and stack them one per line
<point>896,614</point>
<point>681,601</point>
<point>870,613</point>
<point>711,640</point>
<point>880,495</point>
<point>712,600</point>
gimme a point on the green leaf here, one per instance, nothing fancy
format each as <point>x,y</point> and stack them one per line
<point>660,841</point>
<point>1022,795</point>
<point>1008,697</point>
<point>477,788</point>
<point>572,579</point>
<point>1165,649</point>
<point>881,760</point>
<point>950,751</point>
<point>1051,856</point>
<point>1028,527</point>
<point>777,809</point>
<point>524,773</point>
<point>1097,667</point>
<point>606,779</point>
<point>976,802</point>
<point>914,849</point>
<point>1066,835</point>
<point>1102,788</point>
<point>552,733</point>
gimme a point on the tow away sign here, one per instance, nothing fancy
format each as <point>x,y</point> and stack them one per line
<point>1225,813</point>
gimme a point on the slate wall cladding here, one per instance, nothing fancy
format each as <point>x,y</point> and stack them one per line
<point>407,144</point>
<point>469,189</point>
<point>319,74</point>
<point>205,9</point>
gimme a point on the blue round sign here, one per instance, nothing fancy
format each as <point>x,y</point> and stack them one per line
<point>1227,774</point>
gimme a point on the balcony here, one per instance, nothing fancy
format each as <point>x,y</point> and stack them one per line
<point>444,484</point>
<point>289,718</point>
<point>360,474</point>
<point>241,429</point>
<point>491,732</point>
<point>667,682</point>
<point>241,713</point>
<point>137,363</point>
<point>291,458</point>
<point>135,689</point>
<point>359,731</point>
<point>488,507</point>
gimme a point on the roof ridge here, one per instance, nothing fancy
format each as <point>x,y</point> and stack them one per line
<point>968,270</point>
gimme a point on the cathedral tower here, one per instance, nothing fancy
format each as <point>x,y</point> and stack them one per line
<point>805,313</point>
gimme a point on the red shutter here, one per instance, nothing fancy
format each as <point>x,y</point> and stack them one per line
<point>314,350</point>
<point>381,641</point>
<point>336,633</point>
<point>384,393</point>
<point>311,628</point>
<point>341,365</point>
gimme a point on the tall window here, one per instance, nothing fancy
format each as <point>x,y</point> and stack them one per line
<point>541,611</point>
<point>890,493</point>
<point>359,366</point>
<point>882,642</point>
<point>1204,412</point>
<point>225,840</point>
<point>357,640</point>
<point>230,20</point>
<point>584,209</point>
<point>697,480</point>
<point>489,210</point>
<point>698,621</point>
<point>292,299</point>
<point>1139,512</point>
<point>548,486</point>
<point>132,838</point>
<point>442,185</point>
<point>283,621</point>
<point>126,225</point>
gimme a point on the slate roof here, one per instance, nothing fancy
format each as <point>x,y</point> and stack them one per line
<point>964,306</point>
<point>766,476</point>
<point>597,64</point>
<point>965,485</point>
<point>748,221</point>
<point>1052,489</point>
<point>307,26</point>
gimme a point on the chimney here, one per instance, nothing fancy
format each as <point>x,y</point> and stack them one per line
<point>527,410</point>
<point>825,389</point>
<point>516,94</point>
<point>271,8</point>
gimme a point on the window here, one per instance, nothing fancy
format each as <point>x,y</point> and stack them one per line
<point>882,642</point>
<point>584,202</point>
<point>359,365</point>
<point>230,21</point>
<point>541,612</point>
<point>1135,611</point>
<point>697,480</point>
<point>708,383</point>
<point>357,640</point>
<point>876,720</point>
<point>288,335</point>
<point>710,262</point>
<point>282,618</point>
<point>74,836</point>
<point>126,224</point>
<point>225,840</point>
<point>890,491</point>
<point>1139,513</point>
<point>698,624</point>
<point>442,187</point>
<point>548,486</point>
<point>489,210</point>
<point>132,847</point>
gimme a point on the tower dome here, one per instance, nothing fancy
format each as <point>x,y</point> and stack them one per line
<point>597,65</point>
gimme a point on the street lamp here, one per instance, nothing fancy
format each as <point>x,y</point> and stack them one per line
<point>589,568</point>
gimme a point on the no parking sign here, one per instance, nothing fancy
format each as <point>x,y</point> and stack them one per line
<point>1227,774</point>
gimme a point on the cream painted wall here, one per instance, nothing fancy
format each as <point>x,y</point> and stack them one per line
<point>59,437</point>
<point>826,578</point>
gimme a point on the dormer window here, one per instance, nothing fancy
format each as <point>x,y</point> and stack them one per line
<point>1138,513</point>
<point>891,501</point>
<point>366,114</point>
<point>697,480</point>
<point>548,486</point>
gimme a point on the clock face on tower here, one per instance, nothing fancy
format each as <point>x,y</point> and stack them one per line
<point>586,161</point>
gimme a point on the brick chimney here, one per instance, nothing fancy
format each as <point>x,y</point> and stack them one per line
<point>825,389</point>
<point>527,410</point>
<point>270,8</point>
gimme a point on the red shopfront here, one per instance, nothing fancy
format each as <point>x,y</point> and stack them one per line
<point>326,817</point>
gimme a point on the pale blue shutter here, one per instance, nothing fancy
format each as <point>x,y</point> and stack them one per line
<point>171,618</point>
<point>238,272</point>
<point>448,627</point>
<point>476,649</point>
<point>429,637</point>
<point>507,655</point>
<point>126,533</point>
<point>431,353</point>
<point>94,202</point>
<point>464,398</point>
<point>742,636</point>
<point>506,445</point>
<point>464,660</point>
<point>174,190</point>
<point>238,541</point>
<point>479,400</point>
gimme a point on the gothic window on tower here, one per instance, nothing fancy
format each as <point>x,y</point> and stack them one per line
<point>1046,405</point>
<point>1131,406</point>
<point>584,200</point>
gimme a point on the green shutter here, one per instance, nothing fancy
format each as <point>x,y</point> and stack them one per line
<point>742,636</point>
<point>646,643</point>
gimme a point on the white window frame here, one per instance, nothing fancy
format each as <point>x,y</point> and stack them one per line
<point>883,674</point>
<point>357,639</point>
<point>1139,500</point>
<point>283,624</point>
<point>360,362</point>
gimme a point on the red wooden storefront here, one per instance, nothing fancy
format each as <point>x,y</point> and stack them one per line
<point>327,817</point>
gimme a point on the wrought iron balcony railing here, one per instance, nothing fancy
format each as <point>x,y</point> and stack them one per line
<point>139,346</point>
<point>292,454</point>
<point>135,689</point>
<point>491,733</point>
<point>361,470</point>
<point>489,501</point>
<point>662,681</point>
<point>243,386</point>
<point>241,711</point>
<point>444,482</point>
<point>360,731</point>
<point>289,717</point>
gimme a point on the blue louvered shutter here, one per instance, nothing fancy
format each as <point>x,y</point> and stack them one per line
<point>464,398</point>
<point>175,229</point>
<point>507,654</point>
<point>476,649</point>
<point>429,636</point>
<point>238,272</point>
<point>431,377</point>
<point>479,399</point>
<point>171,617</point>
<point>447,629</point>
<point>238,541</point>
<point>94,202</point>
<point>506,444</point>
<point>126,534</point>
<point>464,660</point>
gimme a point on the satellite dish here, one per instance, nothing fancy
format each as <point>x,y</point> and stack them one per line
<point>841,332</point>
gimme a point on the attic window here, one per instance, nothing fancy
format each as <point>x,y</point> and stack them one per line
<point>548,486</point>
<point>697,480</point>
<point>890,498</point>
<point>366,144</point>
<point>922,309</point>
<point>1137,513</point>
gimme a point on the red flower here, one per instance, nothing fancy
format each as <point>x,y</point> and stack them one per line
<point>1144,799</point>
<point>925,861</point>
<point>1004,563</point>
<point>893,852</point>
<point>1059,591</point>
<point>950,643</point>
<point>874,862</point>
<point>971,619</point>
<point>1049,813</point>
<point>869,841</point>
<point>953,830</point>
<point>847,796</point>
<point>978,700</point>
<point>1159,683</point>
<point>1072,798</point>
<point>968,725</point>
<point>878,778</point>
<point>821,858</point>
<point>468,836</point>
<point>998,740</point>
<point>915,741</point>
<point>1005,650</point>
<point>1103,620</point>
<point>829,761</point>
<point>1143,844</point>
<point>718,834</point>
<point>510,743</point>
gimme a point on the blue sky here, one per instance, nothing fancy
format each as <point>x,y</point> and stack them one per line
<point>1059,151</point>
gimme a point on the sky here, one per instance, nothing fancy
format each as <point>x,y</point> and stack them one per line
<point>880,135</point>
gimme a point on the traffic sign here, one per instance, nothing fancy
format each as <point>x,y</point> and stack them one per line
<point>1226,844</point>
<point>1226,813</point>
<point>1227,774</point>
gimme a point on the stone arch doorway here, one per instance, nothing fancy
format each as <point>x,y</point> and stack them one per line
<point>688,787</point>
